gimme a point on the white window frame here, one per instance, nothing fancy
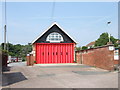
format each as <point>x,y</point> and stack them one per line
<point>54,35</point>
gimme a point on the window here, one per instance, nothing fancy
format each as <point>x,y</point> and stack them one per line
<point>54,37</point>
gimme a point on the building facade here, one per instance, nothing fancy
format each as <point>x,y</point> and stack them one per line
<point>54,45</point>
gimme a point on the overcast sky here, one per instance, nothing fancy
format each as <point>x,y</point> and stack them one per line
<point>84,21</point>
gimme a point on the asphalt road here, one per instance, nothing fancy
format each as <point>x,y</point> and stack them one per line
<point>67,76</point>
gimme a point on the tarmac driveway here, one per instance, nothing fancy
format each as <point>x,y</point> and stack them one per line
<point>66,76</point>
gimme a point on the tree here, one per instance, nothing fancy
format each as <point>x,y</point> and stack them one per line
<point>77,48</point>
<point>84,48</point>
<point>104,38</point>
<point>113,40</point>
<point>18,50</point>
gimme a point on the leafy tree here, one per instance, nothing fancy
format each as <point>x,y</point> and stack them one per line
<point>113,40</point>
<point>84,48</point>
<point>78,48</point>
<point>104,39</point>
<point>17,50</point>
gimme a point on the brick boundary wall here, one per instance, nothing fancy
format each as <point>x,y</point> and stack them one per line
<point>30,60</point>
<point>100,57</point>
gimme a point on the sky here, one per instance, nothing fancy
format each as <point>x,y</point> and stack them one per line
<point>84,21</point>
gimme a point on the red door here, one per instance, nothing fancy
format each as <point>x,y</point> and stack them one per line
<point>54,53</point>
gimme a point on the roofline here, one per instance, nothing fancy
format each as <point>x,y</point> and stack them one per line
<point>49,28</point>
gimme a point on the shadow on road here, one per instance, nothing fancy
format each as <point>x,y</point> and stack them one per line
<point>5,69</point>
<point>11,78</point>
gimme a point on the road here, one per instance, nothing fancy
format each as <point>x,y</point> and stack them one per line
<point>67,76</point>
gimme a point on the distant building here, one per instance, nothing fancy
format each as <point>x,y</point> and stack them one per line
<point>118,42</point>
<point>91,44</point>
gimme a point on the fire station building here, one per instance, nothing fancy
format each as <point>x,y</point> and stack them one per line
<point>54,45</point>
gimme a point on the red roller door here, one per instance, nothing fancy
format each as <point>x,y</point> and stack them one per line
<point>54,53</point>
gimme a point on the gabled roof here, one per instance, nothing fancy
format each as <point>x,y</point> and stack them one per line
<point>48,29</point>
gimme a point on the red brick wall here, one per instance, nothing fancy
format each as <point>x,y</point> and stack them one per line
<point>116,61</point>
<point>30,60</point>
<point>78,58</point>
<point>100,57</point>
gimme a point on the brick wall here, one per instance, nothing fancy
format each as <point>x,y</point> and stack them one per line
<point>30,60</point>
<point>100,57</point>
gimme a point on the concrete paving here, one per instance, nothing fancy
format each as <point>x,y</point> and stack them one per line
<point>67,76</point>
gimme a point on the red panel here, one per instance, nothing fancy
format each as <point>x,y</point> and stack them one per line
<point>38,54</point>
<point>69,54</point>
<point>42,53</point>
<point>63,53</point>
<point>51,53</point>
<point>41,61</point>
<point>54,53</point>
<point>72,53</point>
<point>58,59</point>
<point>46,54</point>
<point>60,54</point>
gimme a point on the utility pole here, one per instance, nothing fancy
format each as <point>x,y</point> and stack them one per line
<point>5,29</point>
<point>5,37</point>
<point>109,37</point>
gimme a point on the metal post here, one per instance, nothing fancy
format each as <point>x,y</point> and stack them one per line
<point>109,37</point>
<point>109,34</point>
